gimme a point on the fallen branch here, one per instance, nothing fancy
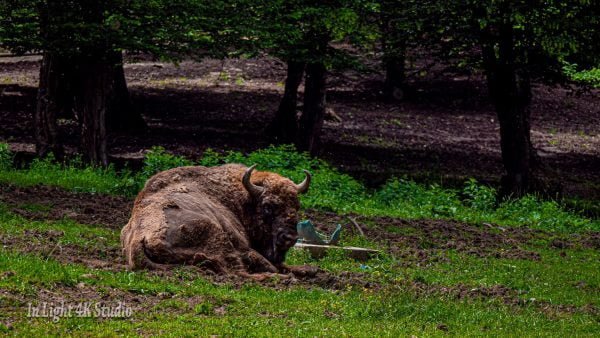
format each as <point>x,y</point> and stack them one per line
<point>360,230</point>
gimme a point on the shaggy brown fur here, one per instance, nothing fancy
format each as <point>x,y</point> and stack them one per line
<point>205,217</point>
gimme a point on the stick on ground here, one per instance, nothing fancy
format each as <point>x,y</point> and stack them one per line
<point>360,230</point>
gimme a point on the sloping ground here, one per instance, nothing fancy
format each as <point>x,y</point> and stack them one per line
<point>434,276</point>
<point>445,133</point>
<point>484,240</point>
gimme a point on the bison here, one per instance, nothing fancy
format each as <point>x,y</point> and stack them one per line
<point>225,219</point>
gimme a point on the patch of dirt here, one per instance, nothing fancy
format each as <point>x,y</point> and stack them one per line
<point>52,203</point>
<point>82,297</point>
<point>416,240</point>
<point>592,240</point>
<point>48,244</point>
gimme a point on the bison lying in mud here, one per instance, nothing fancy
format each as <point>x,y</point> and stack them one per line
<point>223,219</point>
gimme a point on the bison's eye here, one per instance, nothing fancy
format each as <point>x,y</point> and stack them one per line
<point>268,212</point>
<point>270,207</point>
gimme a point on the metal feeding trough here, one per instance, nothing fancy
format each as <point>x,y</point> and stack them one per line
<point>318,243</point>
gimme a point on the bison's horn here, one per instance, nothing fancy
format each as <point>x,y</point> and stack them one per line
<point>303,187</point>
<point>254,190</point>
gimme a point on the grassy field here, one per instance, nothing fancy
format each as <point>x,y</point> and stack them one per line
<point>452,262</point>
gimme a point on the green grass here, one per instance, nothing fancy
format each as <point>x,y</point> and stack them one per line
<point>258,311</point>
<point>330,189</point>
<point>183,304</point>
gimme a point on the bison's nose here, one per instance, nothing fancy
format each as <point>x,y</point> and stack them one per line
<point>290,237</point>
<point>287,240</point>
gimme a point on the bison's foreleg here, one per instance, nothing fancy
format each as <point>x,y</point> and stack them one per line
<point>204,262</point>
<point>261,277</point>
<point>299,270</point>
<point>256,262</point>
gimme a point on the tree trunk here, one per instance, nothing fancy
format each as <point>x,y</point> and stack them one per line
<point>90,82</point>
<point>48,106</point>
<point>510,90</point>
<point>512,107</point>
<point>284,126</point>
<point>313,113</point>
<point>97,88</point>
<point>393,42</point>
<point>121,115</point>
<point>393,87</point>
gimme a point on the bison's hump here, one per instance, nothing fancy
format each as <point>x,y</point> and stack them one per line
<point>221,175</point>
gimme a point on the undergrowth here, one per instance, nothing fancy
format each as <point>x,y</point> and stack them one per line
<point>330,189</point>
<point>590,77</point>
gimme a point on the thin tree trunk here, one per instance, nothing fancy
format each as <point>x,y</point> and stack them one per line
<point>393,87</point>
<point>284,126</point>
<point>98,84</point>
<point>313,113</point>
<point>394,52</point>
<point>510,91</point>
<point>518,153</point>
<point>121,114</point>
<point>46,130</point>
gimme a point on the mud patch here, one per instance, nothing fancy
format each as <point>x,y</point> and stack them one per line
<point>90,299</point>
<point>52,203</point>
<point>415,240</point>
<point>592,240</point>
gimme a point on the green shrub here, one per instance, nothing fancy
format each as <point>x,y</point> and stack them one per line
<point>478,196</point>
<point>6,157</point>
<point>533,212</point>
<point>72,175</point>
<point>590,76</point>
<point>210,158</point>
<point>157,160</point>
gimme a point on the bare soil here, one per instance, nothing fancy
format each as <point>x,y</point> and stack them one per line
<point>51,203</point>
<point>446,131</point>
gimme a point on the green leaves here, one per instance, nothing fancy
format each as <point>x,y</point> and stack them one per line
<point>541,34</point>
<point>19,29</point>
<point>306,31</point>
<point>168,29</point>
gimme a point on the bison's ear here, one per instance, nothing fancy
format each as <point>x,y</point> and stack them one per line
<point>254,190</point>
<point>303,187</point>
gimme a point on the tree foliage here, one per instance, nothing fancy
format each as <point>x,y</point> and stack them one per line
<point>543,34</point>
<point>303,30</point>
<point>167,29</point>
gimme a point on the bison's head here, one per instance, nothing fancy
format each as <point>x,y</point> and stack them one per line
<point>275,199</point>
